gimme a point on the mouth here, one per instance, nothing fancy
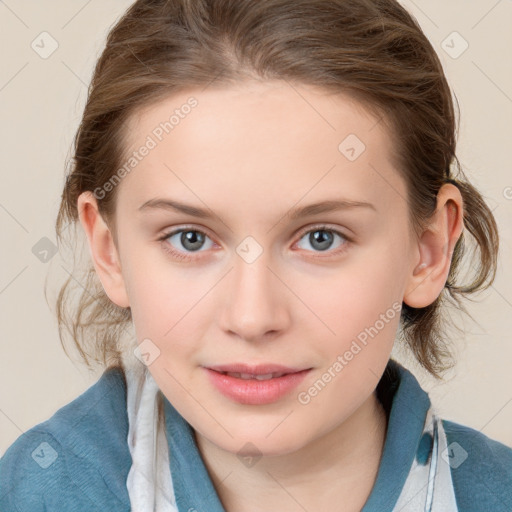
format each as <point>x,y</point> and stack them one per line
<point>256,370</point>
<point>248,376</point>
<point>255,385</point>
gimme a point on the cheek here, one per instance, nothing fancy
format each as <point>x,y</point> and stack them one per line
<point>173,310</point>
<point>358,313</point>
<point>160,292</point>
<point>355,298</point>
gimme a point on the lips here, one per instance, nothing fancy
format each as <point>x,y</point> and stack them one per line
<point>255,384</point>
<point>247,376</point>
<point>260,371</point>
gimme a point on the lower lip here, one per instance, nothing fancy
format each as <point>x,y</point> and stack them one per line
<point>253,391</point>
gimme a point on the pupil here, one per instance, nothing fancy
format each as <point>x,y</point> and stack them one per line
<point>192,240</point>
<point>320,241</point>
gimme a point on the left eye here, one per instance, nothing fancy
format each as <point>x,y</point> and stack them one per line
<point>322,238</point>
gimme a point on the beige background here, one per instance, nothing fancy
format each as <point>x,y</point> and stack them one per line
<point>41,102</point>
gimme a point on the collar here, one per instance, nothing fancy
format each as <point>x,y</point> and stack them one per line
<point>405,402</point>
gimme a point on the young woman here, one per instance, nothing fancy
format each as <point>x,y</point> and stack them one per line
<point>268,197</point>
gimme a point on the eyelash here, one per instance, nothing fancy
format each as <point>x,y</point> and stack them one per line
<point>181,256</point>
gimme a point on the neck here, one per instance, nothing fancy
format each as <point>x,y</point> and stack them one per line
<point>341,465</point>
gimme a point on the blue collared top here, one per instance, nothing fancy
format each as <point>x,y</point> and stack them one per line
<point>78,460</point>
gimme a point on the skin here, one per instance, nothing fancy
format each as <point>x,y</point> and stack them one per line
<point>250,153</point>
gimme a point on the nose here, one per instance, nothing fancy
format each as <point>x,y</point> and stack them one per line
<point>256,304</point>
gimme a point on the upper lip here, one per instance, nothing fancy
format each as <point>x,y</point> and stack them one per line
<point>258,369</point>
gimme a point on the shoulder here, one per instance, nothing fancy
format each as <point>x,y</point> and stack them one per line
<point>76,460</point>
<point>481,469</point>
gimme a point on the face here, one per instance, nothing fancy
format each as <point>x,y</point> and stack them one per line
<point>242,273</point>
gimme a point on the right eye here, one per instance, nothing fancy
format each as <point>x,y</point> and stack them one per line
<point>190,239</point>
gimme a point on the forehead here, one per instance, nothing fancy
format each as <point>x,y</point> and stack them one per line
<point>260,142</point>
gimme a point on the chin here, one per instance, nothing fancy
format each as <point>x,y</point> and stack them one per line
<point>260,443</point>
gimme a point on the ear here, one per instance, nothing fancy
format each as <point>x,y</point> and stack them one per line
<point>435,247</point>
<point>102,249</point>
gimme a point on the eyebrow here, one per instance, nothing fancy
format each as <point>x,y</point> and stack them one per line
<point>293,214</point>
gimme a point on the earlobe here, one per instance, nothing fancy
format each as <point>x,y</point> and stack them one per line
<point>102,249</point>
<point>435,247</point>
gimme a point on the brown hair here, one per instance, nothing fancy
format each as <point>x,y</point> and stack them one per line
<point>372,50</point>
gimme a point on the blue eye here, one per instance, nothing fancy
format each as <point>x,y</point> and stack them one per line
<point>191,240</point>
<point>321,238</point>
